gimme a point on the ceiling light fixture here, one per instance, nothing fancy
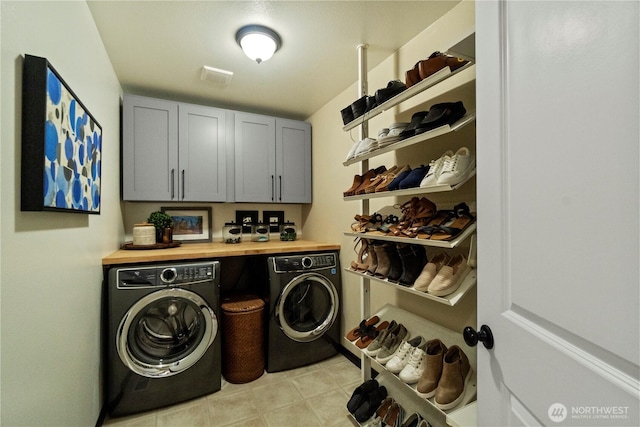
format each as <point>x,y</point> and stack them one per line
<point>258,43</point>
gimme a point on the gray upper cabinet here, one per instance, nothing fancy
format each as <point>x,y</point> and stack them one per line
<point>272,159</point>
<point>172,151</point>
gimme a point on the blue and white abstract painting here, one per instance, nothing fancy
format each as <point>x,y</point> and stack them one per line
<point>73,152</point>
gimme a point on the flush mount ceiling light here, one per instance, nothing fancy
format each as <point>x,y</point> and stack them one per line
<point>258,43</point>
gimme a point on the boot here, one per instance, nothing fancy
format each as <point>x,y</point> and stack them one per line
<point>395,269</point>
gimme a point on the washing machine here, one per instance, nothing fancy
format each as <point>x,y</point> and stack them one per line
<point>163,340</point>
<point>304,310</point>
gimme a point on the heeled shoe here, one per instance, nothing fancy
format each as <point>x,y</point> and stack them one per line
<point>361,264</point>
<point>373,259</point>
<point>413,259</point>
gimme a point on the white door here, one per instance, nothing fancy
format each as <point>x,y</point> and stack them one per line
<point>558,200</point>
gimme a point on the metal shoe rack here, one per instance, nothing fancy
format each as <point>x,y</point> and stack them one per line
<point>464,413</point>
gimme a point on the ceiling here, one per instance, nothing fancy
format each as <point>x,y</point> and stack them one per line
<point>158,48</point>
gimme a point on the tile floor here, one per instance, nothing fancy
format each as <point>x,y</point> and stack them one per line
<point>311,396</point>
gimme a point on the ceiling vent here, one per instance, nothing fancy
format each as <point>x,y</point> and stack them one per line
<point>216,75</point>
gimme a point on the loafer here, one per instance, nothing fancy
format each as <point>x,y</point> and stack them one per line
<point>414,178</point>
<point>414,420</point>
<point>430,271</point>
<point>395,184</point>
<point>449,277</point>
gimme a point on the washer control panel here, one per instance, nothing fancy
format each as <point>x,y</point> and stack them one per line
<point>304,262</point>
<point>167,275</point>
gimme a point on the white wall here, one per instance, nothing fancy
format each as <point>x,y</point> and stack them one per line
<point>50,270</point>
<point>330,216</point>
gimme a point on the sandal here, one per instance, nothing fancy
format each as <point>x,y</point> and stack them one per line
<point>362,328</point>
<point>367,338</point>
<point>361,264</point>
<point>456,224</point>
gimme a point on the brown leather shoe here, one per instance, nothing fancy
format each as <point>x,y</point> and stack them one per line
<point>456,373</point>
<point>428,382</point>
<point>436,62</point>
<point>412,76</point>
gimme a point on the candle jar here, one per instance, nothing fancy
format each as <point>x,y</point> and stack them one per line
<point>144,234</point>
<point>288,231</point>
<point>232,232</point>
<point>260,232</point>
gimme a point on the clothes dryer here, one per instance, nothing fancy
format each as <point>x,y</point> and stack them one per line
<point>304,310</point>
<point>163,342</point>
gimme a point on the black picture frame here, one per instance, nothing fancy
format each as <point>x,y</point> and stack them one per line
<point>274,219</point>
<point>190,224</point>
<point>61,163</point>
<point>246,218</point>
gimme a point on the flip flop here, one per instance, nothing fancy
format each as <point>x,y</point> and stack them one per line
<point>361,329</point>
<point>366,339</point>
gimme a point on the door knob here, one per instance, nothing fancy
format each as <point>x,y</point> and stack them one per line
<point>471,337</point>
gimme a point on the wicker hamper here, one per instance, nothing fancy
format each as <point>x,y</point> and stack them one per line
<point>242,338</point>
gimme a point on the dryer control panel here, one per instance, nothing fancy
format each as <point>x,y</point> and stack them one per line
<point>304,262</point>
<point>164,275</point>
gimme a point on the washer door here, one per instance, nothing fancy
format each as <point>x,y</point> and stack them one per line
<point>166,332</point>
<point>307,307</point>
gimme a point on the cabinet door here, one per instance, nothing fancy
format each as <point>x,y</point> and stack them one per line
<point>293,161</point>
<point>255,147</point>
<point>150,149</point>
<point>202,161</point>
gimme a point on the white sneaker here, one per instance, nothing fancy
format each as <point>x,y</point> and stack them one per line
<point>401,357</point>
<point>365,146</point>
<point>435,166</point>
<point>412,372</point>
<point>352,151</point>
<point>457,168</point>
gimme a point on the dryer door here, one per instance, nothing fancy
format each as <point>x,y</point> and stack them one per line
<point>166,332</point>
<point>307,307</point>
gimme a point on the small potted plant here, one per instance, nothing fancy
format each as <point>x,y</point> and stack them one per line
<point>163,223</point>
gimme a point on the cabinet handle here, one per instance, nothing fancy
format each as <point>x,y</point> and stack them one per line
<point>273,188</point>
<point>182,184</point>
<point>280,194</point>
<point>172,183</point>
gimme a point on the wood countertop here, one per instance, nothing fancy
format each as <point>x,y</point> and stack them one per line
<point>192,251</point>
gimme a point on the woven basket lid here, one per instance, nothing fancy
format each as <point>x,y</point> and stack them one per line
<point>242,303</point>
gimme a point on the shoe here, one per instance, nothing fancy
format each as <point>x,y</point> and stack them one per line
<point>375,182</point>
<point>395,129</point>
<point>365,146</point>
<point>414,369</point>
<point>371,103</point>
<point>347,115</point>
<point>360,330</point>
<point>352,151</point>
<point>436,62</point>
<point>395,269</point>
<point>382,133</point>
<point>401,356</point>
<point>359,393</point>
<point>366,179</point>
<point>373,259</point>
<point>388,179</point>
<point>416,119</point>
<point>394,415</point>
<point>381,412</point>
<point>402,174</point>
<point>371,335</point>
<point>357,180</point>
<point>414,420</point>
<point>424,423</point>
<point>412,76</point>
<point>358,107</point>
<point>414,178</point>
<point>446,113</point>
<point>435,167</point>
<point>456,373</point>
<point>430,271</point>
<point>391,343</point>
<point>452,223</point>
<point>413,258</point>
<point>370,403</point>
<point>393,88</point>
<point>384,264</point>
<point>428,382</point>
<point>449,277</point>
<point>375,345</point>
<point>457,168</point>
